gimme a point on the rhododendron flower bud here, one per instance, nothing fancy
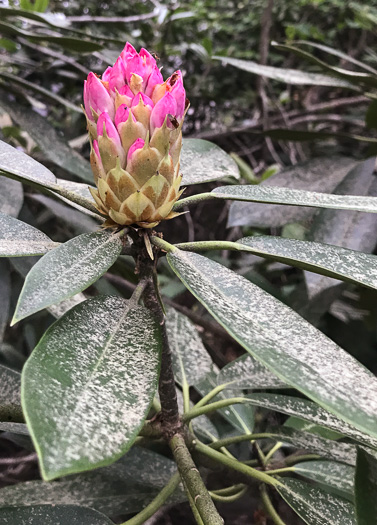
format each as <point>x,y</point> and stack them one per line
<point>135,127</point>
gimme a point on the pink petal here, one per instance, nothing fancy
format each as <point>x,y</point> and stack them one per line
<point>165,106</point>
<point>87,102</point>
<point>111,131</point>
<point>128,52</point>
<point>98,96</point>
<point>122,114</point>
<point>118,75</point>
<point>138,144</point>
<point>154,78</point>
<point>179,93</point>
<point>106,74</point>
<point>146,100</point>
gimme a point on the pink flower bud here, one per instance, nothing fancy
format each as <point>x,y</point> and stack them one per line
<point>140,64</point>
<point>164,107</point>
<point>96,97</point>
<point>138,144</point>
<point>106,74</point>
<point>154,78</point>
<point>146,100</point>
<point>128,52</point>
<point>122,115</point>
<point>105,125</point>
<point>175,83</point>
<point>117,77</point>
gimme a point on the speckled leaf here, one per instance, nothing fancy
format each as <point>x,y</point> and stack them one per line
<point>15,428</point>
<point>203,161</point>
<point>240,417</point>
<point>190,358</point>
<point>5,293</point>
<point>51,515</point>
<point>321,174</point>
<point>67,270</point>
<point>330,475</point>
<point>124,487</point>
<point>314,444</point>
<point>315,506</point>
<point>88,385</point>
<point>10,386</point>
<point>280,195</point>
<point>306,426</point>
<point>285,343</point>
<point>11,196</point>
<point>325,259</point>
<point>366,487</point>
<point>309,411</point>
<point>53,146</point>
<point>289,76</point>
<point>246,372</point>
<point>18,238</point>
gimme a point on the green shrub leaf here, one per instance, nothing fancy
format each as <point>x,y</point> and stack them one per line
<point>51,515</point>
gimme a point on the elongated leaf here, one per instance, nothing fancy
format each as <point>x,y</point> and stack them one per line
<point>366,486</point>
<point>306,426</point>
<point>51,515</point>
<point>331,476</point>
<point>321,258</point>
<point>289,76</point>
<point>18,238</point>
<point>67,270</point>
<point>295,198</point>
<point>10,386</point>
<point>11,196</point>
<point>124,487</point>
<point>285,343</point>
<point>314,444</point>
<point>16,428</point>
<point>315,506</point>
<point>321,174</point>
<point>293,406</point>
<point>190,358</point>
<point>202,161</point>
<point>246,372</point>
<point>88,385</point>
<point>51,19</point>
<point>52,145</point>
<point>5,292</point>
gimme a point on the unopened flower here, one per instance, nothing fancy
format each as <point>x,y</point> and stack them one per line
<point>135,126</point>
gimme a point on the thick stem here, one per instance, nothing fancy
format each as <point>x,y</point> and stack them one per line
<point>193,482</point>
<point>267,503</point>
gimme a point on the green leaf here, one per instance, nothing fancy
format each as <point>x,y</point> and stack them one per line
<point>246,372</point>
<point>51,19</point>
<point>203,161</point>
<point>306,426</point>
<point>89,383</point>
<point>51,515</point>
<point>309,411</point>
<point>55,148</point>
<point>124,487</point>
<point>288,76</point>
<point>190,358</point>
<point>320,174</point>
<point>10,386</point>
<point>290,347</point>
<point>290,197</point>
<point>18,238</point>
<point>366,486</point>
<point>317,257</point>
<point>67,270</point>
<point>11,196</point>
<point>16,428</point>
<point>315,506</point>
<point>5,293</point>
<point>331,476</point>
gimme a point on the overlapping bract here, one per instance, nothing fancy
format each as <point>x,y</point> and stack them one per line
<point>135,126</point>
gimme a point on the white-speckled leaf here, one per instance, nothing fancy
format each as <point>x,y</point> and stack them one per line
<point>203,161</point>
<point>315,506</point>
<point>314,444</point>
<point>18,238</point>
<point>246,372</point>
<point>67,270</point>
<point>52,515</point>
<point>11,196</point>
<point>366,487</point>
<point>288,76</point>
<point>325,259</point>
<point>321,174</point>
<point>330,475</point>
<point>10,386</point>
<point>190,358</point>
<point>124,487</point>
<point>285,343</point>
<point>5,293</point>
<point>88,385</point>
<point>309,411</point>
<point>15,428</point>
<point>290,197</point>
<point>240,417</point>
